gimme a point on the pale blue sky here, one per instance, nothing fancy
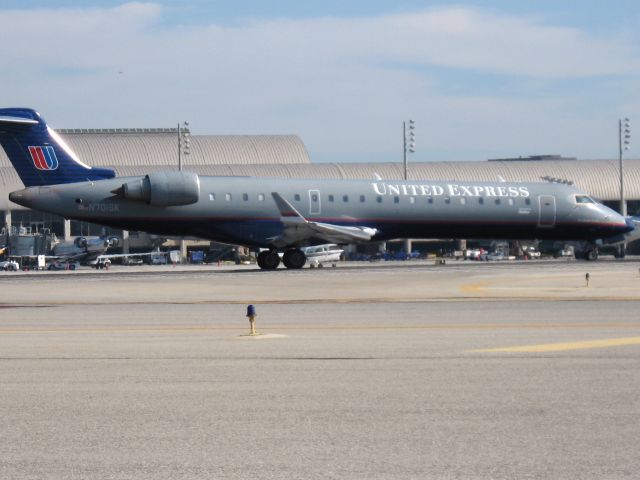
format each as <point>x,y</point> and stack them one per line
<point>482,79</point>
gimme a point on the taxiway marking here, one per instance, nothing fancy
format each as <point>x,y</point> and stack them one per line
<point>561,347</point>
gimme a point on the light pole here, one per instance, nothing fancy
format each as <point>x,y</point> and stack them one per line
<point>184,142</point>
<point>409,146</point>
<point>184,147</point>
<point>409,142</point>
<point>624,140</point>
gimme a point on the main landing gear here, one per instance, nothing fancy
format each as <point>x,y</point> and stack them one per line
<point>268,260</point>
<point>293,258</point>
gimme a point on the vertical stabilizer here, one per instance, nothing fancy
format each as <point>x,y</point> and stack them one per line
<point>39,154</point>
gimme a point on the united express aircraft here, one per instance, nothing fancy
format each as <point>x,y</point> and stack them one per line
<point>283,215</point>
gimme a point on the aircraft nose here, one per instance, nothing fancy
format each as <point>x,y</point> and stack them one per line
<point>630,224</point>
<point>615,219</point>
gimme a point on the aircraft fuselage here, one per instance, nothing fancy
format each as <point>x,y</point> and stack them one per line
<point>241,210</point>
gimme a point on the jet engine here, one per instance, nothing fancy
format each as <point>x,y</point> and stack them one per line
<point>163,189</point>
<point>80,242</point>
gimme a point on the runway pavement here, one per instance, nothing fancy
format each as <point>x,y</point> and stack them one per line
<point>459,371</point>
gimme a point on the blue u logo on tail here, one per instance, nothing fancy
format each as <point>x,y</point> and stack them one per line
<point>39,155</point>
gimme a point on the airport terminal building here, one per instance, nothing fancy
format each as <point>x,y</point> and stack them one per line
<point>140,151</point>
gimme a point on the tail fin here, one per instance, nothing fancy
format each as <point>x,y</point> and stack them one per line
<point>38,153</point>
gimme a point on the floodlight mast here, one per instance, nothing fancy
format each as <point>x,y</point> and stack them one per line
<point>624,141</point>
<point>184,142</point>
<point>409,142</point>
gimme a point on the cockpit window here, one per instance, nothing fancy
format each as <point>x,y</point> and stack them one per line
<point>584,199</point>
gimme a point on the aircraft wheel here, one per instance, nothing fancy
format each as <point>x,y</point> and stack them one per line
<point>592,255</point>
<point>268,260</point>
<point>294,258</point>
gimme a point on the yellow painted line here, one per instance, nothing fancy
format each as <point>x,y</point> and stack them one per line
<point>560,347</point>
<point>473,287</point>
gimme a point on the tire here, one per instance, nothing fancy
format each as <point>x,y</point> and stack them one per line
<point>620,252</point>
<point>268,260</point>
<point>592,255</point>
<point>294,258</point>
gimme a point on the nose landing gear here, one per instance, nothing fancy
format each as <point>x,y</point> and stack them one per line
<point>590,254</point>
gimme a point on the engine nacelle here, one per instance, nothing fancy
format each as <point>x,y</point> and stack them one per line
<point>163,189</point>
<point>80,242</point>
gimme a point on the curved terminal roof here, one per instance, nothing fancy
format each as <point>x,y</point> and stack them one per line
<point>145,147</point>
<point>139,151</point>
<point>600,178</point>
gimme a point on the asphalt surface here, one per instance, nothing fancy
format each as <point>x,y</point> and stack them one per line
<point>455,372</point>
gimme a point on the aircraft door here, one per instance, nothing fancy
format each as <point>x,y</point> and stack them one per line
<point>547,211</point>
<point>314,202</point>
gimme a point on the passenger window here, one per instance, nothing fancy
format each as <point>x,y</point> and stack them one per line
<point>447,200</point>
<point>396,199</point>
<point>261,197</point>
<point>497,201</point>
<point>227,197</point>
<point>527,201</point>
<point>362,198</point>
<point>481,200</point>
<point>296,197</point>
<point>511,202</point>
<point>212,196</point>
<point>245,197</point>
<point>331,198</point>
<point>314,198</point>
<point>379,199</point>
<point>463,201</point>
<point>345,198</point>
<point>430,200</point>
<point>412,199</point>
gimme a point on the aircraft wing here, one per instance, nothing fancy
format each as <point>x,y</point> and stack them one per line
<point>297,229</point>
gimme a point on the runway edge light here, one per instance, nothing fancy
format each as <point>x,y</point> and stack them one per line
<point>251,314</point>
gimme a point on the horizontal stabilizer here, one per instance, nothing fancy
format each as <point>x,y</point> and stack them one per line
<point>18,120</point>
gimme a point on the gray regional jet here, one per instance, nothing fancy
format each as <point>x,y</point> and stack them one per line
<point>287,214</point>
